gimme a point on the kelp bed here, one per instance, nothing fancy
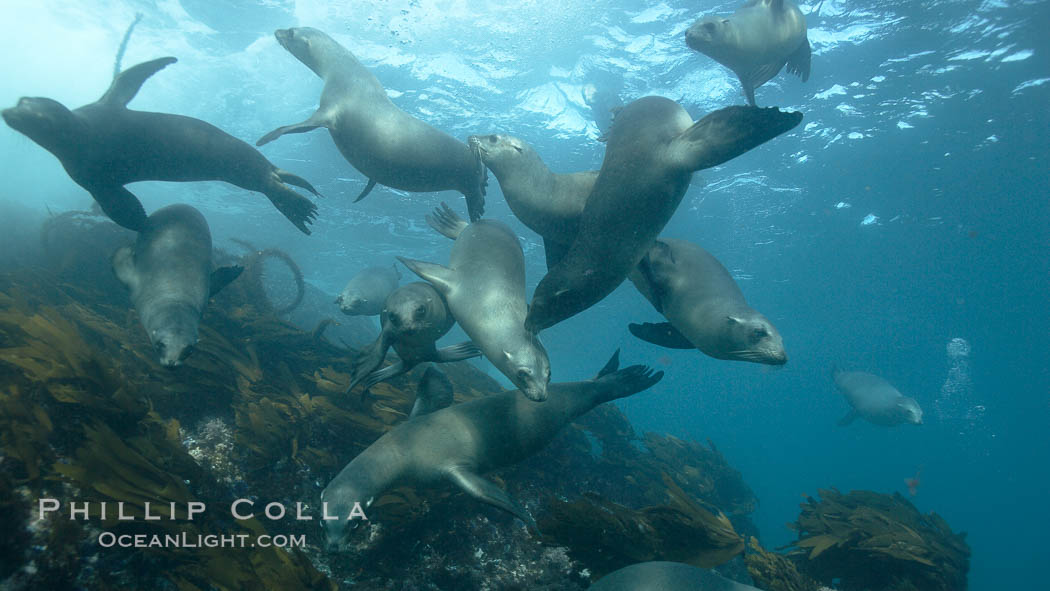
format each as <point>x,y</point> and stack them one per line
<point>869,542</point>
<point>258,411</point>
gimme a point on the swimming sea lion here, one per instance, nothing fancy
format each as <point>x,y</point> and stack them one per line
<point>755,42</point>
<point>876,400</point>
<point>413,318</point>
<point>484,285</point>
<point>548,203</point>
<point>666,576</point>
<point>653,149</point>
<point>168,271</point>
<point>384,143</point>
<point>104,145</point>
<point>366,292</point>
<point>434,393</point>
<point>704,305</point>
<point>461,442</point>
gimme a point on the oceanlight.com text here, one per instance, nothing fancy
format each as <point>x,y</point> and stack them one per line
<point>186,540</point>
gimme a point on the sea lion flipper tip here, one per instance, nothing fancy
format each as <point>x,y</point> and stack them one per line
<point>662,334</point>
<point>122,206</point>
<point>487,492</point>
<point>368,189</point>
<point>301,127</point>
<point>126,84</point>
<point>222,277</point>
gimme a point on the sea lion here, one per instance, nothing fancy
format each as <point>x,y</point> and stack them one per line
<point>366,292</point>
<point>875,400</point>
<point>704,306</point>
<point>104,145</point>
<point>168,270</point>
<point>484,285</point>
<point>548,203</point>
<point>653,149</point>
<point>755,42</point>
<point>384,143</point>
<point>434,393</point>
<point>413,318</point>
<point>461,442</point>
<point>666,576</point>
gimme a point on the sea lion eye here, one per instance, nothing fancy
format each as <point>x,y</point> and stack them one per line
<point>492,139</point>
<point>420,312</point>
<point>710,26</point>
<point>523,374</point>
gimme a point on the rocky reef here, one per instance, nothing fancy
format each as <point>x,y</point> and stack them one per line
<point>258,413</point>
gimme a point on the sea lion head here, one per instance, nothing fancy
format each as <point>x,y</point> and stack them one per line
<point>414,308</point>
<point>173,332</point>
<point>711,36</point>
<point>499,151</point>
<point>45,121</point>
<point>755,339</point>
<point>337,500</point>
<point>307,44</point>
<point>909,410</point>
<point>350,304</point>
<point>530,368</point>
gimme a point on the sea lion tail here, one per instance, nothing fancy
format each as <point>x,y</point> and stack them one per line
<point>446,222</point>
<point>298,181</point>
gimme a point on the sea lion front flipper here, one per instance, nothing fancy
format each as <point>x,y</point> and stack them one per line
<point>487,492</point>
<point>123,261</point>
<point>662,334</point>
<point>122,206</point>
<point>758,76</point>
<point>126,84</point>
<point>381,375</point>
<point>554,251</point>
<point>440,276</point>
<point>798,61</point>
<point>222,277</point>
<point>369,359</point>
<point>727,133</point>
<point>368,189</point>
<point>310,124</point>
<point>460,352</point>
<point>849,418</point>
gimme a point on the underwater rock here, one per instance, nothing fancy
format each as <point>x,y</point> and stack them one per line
<point>876,542</point>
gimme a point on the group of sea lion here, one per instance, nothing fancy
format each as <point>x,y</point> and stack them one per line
<point>598,228</point>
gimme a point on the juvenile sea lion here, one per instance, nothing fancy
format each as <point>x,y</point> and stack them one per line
<point>666,576</point>
<point>653,149</point>
<point>168,270</point>
<point>366,292</point>
<point>755,42</point>
<point>484,285</point>
<point>875,400</point>
<point>384,143</point>
<point>104,146</point>
<point>548,203</point>
<point>413,318</point>
<point>462,442</point>
<point>704,306</point>
<point>434,393</point>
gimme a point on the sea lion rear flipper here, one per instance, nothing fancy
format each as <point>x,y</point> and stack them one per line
<point>626,382</point>
<point>222,277</point>
<point>554,251</point>
<point>126,84</point>
<point>662,334</point>
<point>298,181</point>
<point>440,276</point>
<point>849,418</point>
<point>298,209</point>
<point>467,350</point>
<point>727,133</point>
<point>445,221</point>
<point>368,189</point>
<point>381,375</point>
<point>122,206</point>
<point>610,366</point>
<point>487,492</point>
<point>123,261</point>
<point>798,61</point>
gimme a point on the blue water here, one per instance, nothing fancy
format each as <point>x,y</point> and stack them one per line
<point>910,208</point>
